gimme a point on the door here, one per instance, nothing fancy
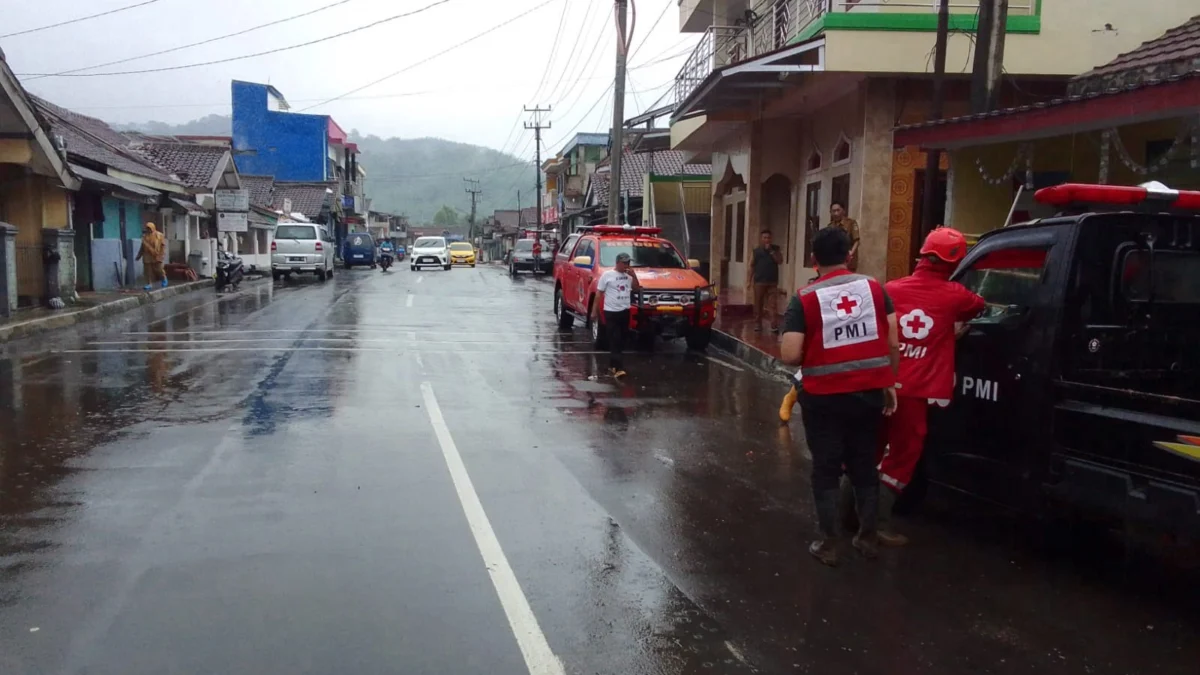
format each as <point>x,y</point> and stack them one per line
<point>737,258</point>
<point>581,277</point>
<point>984,439</point>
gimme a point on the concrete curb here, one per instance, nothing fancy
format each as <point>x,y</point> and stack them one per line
<point>751,356</point>
<point>49,323</point>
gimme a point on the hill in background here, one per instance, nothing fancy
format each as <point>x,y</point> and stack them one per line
<point>411,176</point>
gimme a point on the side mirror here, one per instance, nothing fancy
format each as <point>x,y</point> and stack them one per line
<point>583,261</point>
<point>693,263</point>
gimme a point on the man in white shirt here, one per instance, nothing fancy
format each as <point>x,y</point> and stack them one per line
<point>613,293</point>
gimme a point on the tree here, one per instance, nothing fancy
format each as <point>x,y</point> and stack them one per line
<point>447,217</point>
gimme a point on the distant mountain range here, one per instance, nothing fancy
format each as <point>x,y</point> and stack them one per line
<point>410,176</point>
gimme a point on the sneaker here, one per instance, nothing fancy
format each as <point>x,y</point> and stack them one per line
<point>824,550</point>
<point>164,283</point>
<point>146,288</point>
<point>867,545</point>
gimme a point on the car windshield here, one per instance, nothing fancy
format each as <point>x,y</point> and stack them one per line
<point>642,253</point>
<point>295,232</point>
<point>430,242</point>
<point>461,246</point>
<point>525,245</point>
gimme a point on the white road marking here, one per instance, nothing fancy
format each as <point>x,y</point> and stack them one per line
<point>737,654</point>
<point>409,301</point>
<point>532,641</point>
<point>719,362</point>
<point>420,279</point>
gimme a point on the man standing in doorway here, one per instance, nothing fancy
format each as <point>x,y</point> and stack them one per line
<point>765,271</point>
<point>613,291</point>
<point>842,331</point>
<point>838,218</point>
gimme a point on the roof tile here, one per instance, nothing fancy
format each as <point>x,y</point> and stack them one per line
<point>193,163</point>
<point>1176,52</point>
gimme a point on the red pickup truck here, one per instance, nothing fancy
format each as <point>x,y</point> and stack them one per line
<point>675,301</point>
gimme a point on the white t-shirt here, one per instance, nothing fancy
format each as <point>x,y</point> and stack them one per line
<point>616,287</point>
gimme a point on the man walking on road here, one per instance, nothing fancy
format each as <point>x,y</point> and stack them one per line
<point>152,254</point>
<point>930,307</point>
<point>841,330</point>
<point>765,271</point>
<point>613,291</point>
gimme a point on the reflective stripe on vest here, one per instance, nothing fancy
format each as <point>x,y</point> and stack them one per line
<point>862,364</point>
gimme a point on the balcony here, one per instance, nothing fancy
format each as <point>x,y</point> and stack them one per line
<point>772,25</point>
<point>574,186</point>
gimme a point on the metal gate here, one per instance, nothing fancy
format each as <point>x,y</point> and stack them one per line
<point>31,274</point>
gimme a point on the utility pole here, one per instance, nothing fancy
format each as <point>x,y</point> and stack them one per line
<point>618,151</point>
<point>537,127</point>
<point>989,55</point>
<point>473,190</point>
<point>933,156</point>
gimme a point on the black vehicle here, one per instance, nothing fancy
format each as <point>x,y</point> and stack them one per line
<point>1080,384</point>
<point>230,271</point>
<point>385,259</point>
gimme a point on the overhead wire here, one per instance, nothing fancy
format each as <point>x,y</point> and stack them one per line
<point>256,54</point>
<point>449,49</point>
<point>197,44</point>
<point>78,20</point>
<point>553,49</point>
<point>576,48</point>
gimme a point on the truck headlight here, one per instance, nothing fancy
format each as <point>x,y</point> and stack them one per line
<point>707,294</point>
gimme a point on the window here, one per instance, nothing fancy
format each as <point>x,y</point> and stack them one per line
<point>587,247</point>
<point>740,233</point>
<point>1007,280</point>
<point>841,151</point>
<point>1176,277</point>
<point>568,244</point>
<point>814,162</point>
<point>643,254</point>
<point>812,216</point>
<point>524,245</point>
<point>430,242</point>
<point>295,232</point>
<point>462,246</point>
<point>728,249</point>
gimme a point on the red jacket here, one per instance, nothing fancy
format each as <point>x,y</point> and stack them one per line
<point>928,305</point>
<point>845,335</point>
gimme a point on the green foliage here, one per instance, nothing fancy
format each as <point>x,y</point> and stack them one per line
<point>447,216</point>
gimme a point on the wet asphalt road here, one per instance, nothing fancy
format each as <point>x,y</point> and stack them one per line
<point>412,473</point>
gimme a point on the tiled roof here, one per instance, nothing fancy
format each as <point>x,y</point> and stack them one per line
<point>92,139</point>
<point>635,166</point>
<point>1175,53</point>
<point>193,163</point>
<point>307,198</point>
<point>261,189</point>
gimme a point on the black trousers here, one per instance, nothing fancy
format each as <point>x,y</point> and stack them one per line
<point>617,325</point>
<point>842,431</point>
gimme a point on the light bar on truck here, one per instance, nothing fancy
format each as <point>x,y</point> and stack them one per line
<point>1147,194</point>
<point>621,229</point>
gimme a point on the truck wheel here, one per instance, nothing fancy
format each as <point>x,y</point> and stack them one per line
<point>599,337</point>
<point>698,339</point>
<point>565,319</point>
<point>646,340</point>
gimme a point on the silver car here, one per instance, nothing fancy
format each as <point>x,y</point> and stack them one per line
<point>302,248</point>
<point>430,251</point>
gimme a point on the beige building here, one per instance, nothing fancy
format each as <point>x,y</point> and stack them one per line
<point>794,103</point>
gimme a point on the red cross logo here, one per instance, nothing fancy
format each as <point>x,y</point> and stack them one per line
<point>847,306</point>
<point>916,325</point>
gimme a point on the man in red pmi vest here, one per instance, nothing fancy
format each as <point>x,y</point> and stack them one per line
<point>841,329</point>
<point>931,308</point>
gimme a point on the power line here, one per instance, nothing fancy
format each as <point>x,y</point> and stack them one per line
<point>250,56</point>
<point>652,27</point>
<point>553,49</point>
<point>82,18</point>
<point>434,56</point>
<point>416,176</point>
<point>584,68</point>
<point>197,44</point>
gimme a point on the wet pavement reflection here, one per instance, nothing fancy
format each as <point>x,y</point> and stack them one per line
<point>254,483</point>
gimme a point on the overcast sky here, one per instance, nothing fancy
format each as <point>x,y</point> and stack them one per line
<point>472,94</point>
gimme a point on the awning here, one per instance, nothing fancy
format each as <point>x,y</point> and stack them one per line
<point>259,221</point>
<point>739,84</point>
<point>189,207</point>
<point>129,191</point>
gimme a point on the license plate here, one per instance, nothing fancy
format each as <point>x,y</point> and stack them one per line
<point>358,255</point>
<point>295,259</point>
<point>670,309</point>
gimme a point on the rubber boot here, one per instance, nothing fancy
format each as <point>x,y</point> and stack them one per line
<point>887,501</point>
<point>788,405</point>
<point>825,549</point>
<point>846,506</point>
<point>866,502</point>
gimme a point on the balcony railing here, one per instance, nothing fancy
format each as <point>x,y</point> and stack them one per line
<point>773,24</point>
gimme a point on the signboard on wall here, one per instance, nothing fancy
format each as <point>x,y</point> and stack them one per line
<point>233,200</point>
<point>232,222</point>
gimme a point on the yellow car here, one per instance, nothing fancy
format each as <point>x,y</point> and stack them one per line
<point>462,253</point>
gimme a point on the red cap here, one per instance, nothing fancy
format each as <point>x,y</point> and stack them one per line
<point>946,243</point>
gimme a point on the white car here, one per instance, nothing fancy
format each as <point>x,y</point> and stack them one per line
<point>429,252</point>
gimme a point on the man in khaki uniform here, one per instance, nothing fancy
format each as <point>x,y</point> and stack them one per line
<point>838,218</point>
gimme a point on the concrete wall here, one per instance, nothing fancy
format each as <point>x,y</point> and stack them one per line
<point>106,252</point>
<point>289,146</point>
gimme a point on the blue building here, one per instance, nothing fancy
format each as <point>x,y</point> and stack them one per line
<point>296,147</point>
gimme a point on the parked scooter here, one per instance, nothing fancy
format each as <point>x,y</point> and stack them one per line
<point>230,271</point>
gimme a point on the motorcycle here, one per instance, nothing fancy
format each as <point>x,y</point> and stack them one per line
<point>230,271</point>
<point>385,260</point>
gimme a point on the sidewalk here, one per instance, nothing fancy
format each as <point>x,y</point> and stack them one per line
<point>91,306</point>
<point>735,334</point>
